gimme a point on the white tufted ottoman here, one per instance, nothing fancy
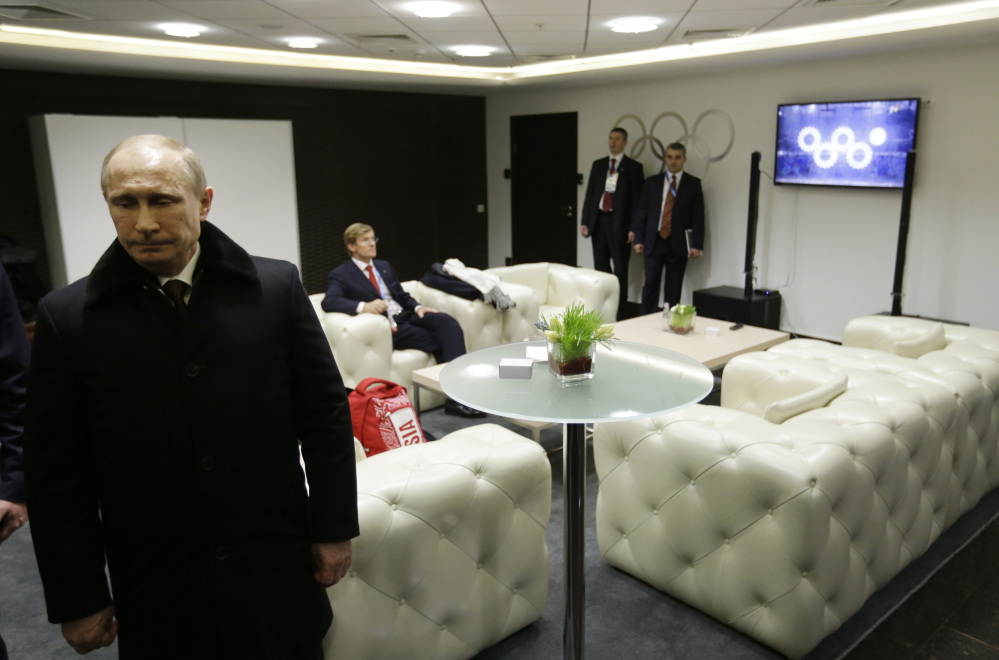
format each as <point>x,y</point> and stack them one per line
<point>827,470</point>
<point>451,557</point>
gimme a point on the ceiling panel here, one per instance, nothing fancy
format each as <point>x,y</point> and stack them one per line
<point>528,7</point>
<point>227,9</point>
<point>328,8</point>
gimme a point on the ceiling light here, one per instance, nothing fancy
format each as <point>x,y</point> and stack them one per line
<point>187,30</point>
<point>303,42</point>
<point>432,9</point>
<point>473,51</point>
<point>634,24</point>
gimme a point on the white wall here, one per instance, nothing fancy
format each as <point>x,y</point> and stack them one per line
<point>250,164</point>
<point>831,252</point>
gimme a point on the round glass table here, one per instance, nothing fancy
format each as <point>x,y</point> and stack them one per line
<point>631,381</point>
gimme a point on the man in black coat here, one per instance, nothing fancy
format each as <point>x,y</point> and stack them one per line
<point>365,285</point>
<point>612,193</point>
<point>668,224</point>
<point>168,395</point>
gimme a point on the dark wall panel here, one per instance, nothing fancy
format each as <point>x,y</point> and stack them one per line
<point>411,165</point>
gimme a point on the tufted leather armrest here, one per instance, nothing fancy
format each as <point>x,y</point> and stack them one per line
<point>451,556</point>
<point>558,285</point>
<point>362,348</point>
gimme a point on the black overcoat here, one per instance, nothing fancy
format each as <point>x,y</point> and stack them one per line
<point>169,446</point>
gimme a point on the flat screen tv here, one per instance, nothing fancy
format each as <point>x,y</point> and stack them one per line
<point>857,143</point>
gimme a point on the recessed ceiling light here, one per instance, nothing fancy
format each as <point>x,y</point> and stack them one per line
<point>187,30</point>
<point>473,51</point>
<point>634,24</point>
<point>303,42</point>
<point>432,9</point>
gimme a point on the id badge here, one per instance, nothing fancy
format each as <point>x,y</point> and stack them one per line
<point>611,184</point>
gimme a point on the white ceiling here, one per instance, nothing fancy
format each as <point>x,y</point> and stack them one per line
<point>523,33</point>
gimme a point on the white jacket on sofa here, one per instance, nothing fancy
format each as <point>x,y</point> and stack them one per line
<point>826,471</point>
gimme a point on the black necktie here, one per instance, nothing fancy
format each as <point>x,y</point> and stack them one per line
<point>175,290</point>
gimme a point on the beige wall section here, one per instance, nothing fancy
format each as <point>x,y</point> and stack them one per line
<point>831,252</point>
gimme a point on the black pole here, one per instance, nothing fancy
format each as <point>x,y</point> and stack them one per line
<point>574,533</point>
<point>903,234</point>
<point>754,211</point>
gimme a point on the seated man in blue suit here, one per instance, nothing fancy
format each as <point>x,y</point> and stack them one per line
<point>365,285</point>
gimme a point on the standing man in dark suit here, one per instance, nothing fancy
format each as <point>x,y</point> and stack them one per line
<point>669,228</point>
<point>612,193</point>
<point>365,285</point>
<point>168,396</point>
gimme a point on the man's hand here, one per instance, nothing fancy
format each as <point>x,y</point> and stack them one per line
<point>584,230</point>
<point>421,310</point>
<point>377,306</point>
<point>12,516</point>
<point>631,237</point>
<point>92,632</point>
<point>639,248</point>
<point>332,561</point>
<point>694,253</point>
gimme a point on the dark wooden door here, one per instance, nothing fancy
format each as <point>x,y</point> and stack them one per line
<point>543,188</point>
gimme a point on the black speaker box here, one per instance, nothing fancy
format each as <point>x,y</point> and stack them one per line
<point>729,303</point>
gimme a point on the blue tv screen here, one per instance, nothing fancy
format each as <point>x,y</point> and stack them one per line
<point>857,143</point>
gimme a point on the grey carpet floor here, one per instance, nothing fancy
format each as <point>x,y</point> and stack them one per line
<point>624,616</point>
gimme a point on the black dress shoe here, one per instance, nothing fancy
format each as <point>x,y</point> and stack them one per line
<point>452,407</point>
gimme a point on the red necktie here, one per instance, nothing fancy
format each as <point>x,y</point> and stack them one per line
<point>605,203</point>
<point>374,280</point>
<point>175,290</point>
<point>666,224</point>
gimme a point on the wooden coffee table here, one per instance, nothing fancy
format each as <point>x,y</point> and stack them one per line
<point>713,351</point>
<point>430,378</point>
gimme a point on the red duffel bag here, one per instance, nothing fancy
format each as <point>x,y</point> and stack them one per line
<point>383,416</point>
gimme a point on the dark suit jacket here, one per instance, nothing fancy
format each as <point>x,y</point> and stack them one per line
<point>631,174</point>
<point>170,446</point>
<point>349,286</point>
<point>14,358</point>
<point>688,213</point>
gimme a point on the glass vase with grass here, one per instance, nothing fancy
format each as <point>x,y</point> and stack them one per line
<point>572,338</point>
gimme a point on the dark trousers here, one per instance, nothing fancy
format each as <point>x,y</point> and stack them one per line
<point>661,257</point>
<point>436,333</point>
<point>607,250</point>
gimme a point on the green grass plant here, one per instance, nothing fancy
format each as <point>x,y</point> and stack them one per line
<point>576,329</point>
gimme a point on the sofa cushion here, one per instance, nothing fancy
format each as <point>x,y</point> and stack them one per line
<point>921,343</point>
<point>776,387</point>
<point>818,397</point>
<point>904,336</point>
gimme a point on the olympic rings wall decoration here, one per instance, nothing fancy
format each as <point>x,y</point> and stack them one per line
<point>686,136</point>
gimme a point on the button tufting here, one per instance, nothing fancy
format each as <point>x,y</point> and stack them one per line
<point>395,507</point>
<point>402,601</point>
<point>443,627</point>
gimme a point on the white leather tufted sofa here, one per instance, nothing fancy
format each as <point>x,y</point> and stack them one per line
<point>483,324</point>
<point>362,348</point>
<point>451,557</point>
<point>362,344</point>
<point>826,470</point>
<point>558,285</point>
